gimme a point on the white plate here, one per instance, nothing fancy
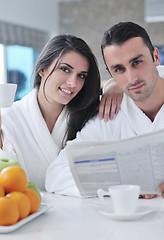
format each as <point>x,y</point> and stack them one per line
<point>42,209</point>
<point>141,211</point>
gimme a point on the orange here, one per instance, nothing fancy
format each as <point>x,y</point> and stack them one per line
<point>9,213</point>
<point>22,202</point>
<point>13,178</point>
<point>2,191</point>
<point>34,199</point>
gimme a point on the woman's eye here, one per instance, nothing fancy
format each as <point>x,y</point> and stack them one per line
<point>82,76</point>
<point>64,69</point>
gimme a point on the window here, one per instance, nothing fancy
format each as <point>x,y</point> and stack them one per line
<point>2,68</point>
<point>161,54</point>
<point>18,55</point>
<point>18,63</point>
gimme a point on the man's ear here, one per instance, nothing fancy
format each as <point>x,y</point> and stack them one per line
<point>156,57</point>
<point>41,73</point>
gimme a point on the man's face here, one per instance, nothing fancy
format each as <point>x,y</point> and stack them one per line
<point>132,67</point>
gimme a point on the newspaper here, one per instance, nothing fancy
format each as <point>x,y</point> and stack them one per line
<point>138,160</point>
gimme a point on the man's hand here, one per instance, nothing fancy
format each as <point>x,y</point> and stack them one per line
<point>148,196</point>
<point>161,189</point>
<point>110,102</point>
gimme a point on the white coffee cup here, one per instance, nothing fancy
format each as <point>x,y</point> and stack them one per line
<point>7,94</point>
<point>124,197</point>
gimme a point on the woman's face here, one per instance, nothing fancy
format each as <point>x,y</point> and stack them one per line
<point>67,79</point>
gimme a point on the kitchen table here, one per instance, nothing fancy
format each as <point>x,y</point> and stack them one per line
<point>71,218</point>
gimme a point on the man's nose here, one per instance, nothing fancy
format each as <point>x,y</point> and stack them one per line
<point>131,76</point>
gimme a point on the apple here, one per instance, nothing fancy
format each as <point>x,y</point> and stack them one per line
<point>34,187</point>
<point>8,162</point>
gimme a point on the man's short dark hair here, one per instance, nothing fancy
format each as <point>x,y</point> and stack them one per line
<point>123,31</point>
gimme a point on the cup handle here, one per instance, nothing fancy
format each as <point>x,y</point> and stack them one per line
<point>101,193</point>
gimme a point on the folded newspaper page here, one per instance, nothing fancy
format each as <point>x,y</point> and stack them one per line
<point>138,160</point>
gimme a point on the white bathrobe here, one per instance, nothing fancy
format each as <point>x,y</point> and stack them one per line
<point>27,138</point>
<point>129,122</point>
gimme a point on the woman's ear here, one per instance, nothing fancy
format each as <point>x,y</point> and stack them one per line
<point>41,73</point>
<point>156,57</point>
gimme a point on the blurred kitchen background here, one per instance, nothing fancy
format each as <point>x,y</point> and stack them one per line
<point>25,26</point>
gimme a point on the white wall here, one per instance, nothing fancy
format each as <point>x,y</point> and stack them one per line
<point>154,10</point>
<point>38,14</point>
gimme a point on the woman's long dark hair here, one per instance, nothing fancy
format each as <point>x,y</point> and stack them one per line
<point>85,104</point>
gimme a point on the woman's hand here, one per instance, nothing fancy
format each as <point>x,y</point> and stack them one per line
<point>110,101</point>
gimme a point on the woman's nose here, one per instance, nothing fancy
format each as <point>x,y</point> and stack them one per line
<point>71,81</point>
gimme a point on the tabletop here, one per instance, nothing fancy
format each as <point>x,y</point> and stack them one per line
<point>72,218</point>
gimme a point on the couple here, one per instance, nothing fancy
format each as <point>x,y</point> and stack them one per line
<point>66,95</point>
<point>132,61</point>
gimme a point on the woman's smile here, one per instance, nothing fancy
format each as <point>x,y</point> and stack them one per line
<point>66,91</point>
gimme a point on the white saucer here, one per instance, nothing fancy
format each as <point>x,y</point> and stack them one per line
<point>141,211</point>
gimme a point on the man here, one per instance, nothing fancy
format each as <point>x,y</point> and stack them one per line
<point>132,61</point>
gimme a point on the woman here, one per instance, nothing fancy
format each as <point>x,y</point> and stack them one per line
<point>65,96</point>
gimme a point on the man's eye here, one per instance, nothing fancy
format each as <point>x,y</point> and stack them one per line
<point>119,69</point>
<point>82,76</point>
<point>137,62</point>
<point>64,69</point>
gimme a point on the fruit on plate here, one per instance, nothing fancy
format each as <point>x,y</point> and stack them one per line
<point>34,199</point>
<point>22,201</point>
<point>9,213</point>
<point>2,191</point>
<point>13,178</point>
<point>8,162</point>
<point>18,197</point>
<point>35,188</point>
